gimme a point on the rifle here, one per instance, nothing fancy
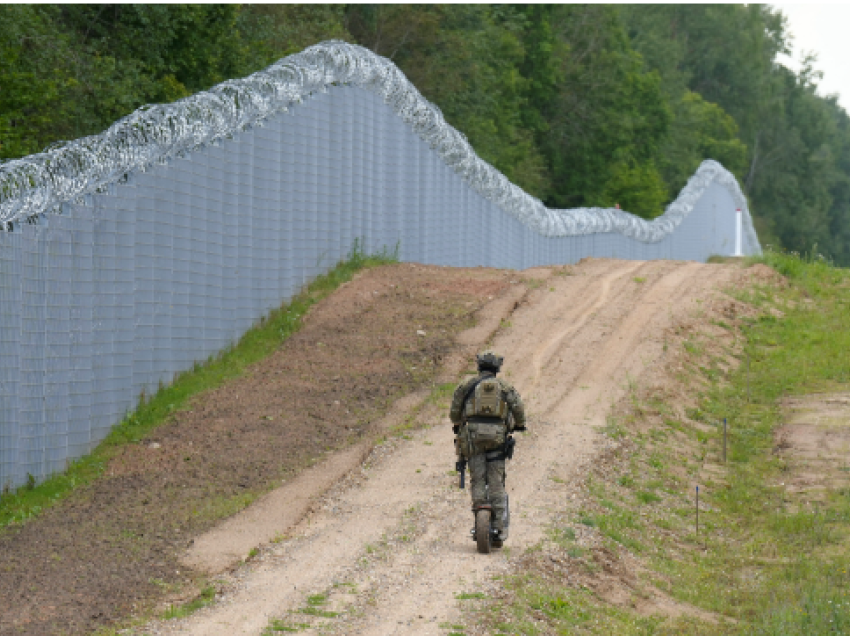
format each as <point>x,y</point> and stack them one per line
<point>460,467</point>
<point>510,442</point>
<point>460,464</point>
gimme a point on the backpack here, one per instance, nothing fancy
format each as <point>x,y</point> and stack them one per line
<point>486,401</point>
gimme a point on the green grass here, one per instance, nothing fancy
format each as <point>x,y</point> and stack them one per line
<point>276,626</point>
<point>314,607</point>
<point>785,571</point>
<point>545,608</point>
<point>205,598</point>
<point>263,339</point>
<point>646,497</point>
<point>773,570</point>
<point>316,611</point>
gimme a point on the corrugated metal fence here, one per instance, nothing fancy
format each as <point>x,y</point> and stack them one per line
<point>126,288</point>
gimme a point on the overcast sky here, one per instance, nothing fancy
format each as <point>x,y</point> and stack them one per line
<point>825,30</point>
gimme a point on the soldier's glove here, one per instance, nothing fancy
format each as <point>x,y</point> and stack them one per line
<point>456,429</point>
<point>521,428</point>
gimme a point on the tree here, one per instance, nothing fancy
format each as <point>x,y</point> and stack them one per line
<point>608,117</point>
<point>718,61</point>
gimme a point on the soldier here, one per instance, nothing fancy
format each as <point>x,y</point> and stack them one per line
<point>485,411</point>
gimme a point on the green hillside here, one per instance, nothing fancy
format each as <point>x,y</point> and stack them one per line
<point>579,105</point>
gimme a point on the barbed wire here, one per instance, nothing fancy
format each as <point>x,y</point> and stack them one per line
<point>156,134</point>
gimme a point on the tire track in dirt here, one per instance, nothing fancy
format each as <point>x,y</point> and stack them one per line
<point>543,354</point>
<point>389,545</point>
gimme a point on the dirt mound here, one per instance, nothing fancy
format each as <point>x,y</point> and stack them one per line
<point>113,548</point>
<point>761,274</point>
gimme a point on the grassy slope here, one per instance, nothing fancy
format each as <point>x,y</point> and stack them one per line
<point>257,343</point>
<point>757,565</point>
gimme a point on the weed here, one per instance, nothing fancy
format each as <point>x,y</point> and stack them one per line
<point>315,611</point>
<point>314,605</point>
<point>694,348</point>
<point>656,461</point>
<point>613,429</point>
<point>563,536</point>
<point>205,598</point>
<point>626,481</point>
<point>277,625</point>
<point>646,497</point>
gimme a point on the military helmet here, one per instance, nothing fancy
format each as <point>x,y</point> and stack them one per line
<point>489,360</point>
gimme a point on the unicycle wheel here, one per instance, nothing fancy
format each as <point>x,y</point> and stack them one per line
<point>482,531</point>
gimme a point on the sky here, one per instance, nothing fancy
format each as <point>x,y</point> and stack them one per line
<point>823,29</point>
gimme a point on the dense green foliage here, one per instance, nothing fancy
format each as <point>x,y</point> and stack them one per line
<point>578,104</point>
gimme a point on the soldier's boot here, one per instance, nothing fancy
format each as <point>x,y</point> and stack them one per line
<point>500,536</point>
<point>501,522</point>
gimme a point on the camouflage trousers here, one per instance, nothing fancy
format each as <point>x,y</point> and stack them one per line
<point>487,485</point>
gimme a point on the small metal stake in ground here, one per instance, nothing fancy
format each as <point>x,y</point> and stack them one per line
<point>697,511</point>
<point>724,440</point>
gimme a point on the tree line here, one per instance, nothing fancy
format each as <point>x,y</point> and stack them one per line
<point>581,105</point>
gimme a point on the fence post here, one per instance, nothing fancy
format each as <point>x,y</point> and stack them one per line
<point>739,232</point>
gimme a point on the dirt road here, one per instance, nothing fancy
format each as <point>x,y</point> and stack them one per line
<point>386,550</point>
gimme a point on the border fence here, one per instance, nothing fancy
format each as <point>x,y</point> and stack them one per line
<point>128,256</point>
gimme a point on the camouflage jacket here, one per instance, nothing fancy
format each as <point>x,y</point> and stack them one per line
<point>514,401</point>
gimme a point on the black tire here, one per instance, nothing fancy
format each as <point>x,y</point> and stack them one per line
<point>482,531</point>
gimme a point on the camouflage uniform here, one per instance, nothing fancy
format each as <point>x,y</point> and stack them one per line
<point>487,468</point>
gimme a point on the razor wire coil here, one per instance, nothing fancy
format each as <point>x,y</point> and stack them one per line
<point>155,134</point>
